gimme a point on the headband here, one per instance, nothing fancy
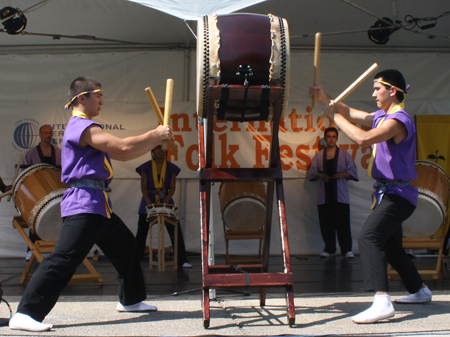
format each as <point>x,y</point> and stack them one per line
<point>399,89</point>
<point>67,106</point>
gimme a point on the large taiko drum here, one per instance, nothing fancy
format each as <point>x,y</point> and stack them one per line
<point>37,194</point>
<point>233,45</point>
<point>243,205</point>
<point>431,211</point>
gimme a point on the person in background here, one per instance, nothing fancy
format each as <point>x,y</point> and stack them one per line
<point>333,167</point>
<point>45,152</point>
<point>158,182</point>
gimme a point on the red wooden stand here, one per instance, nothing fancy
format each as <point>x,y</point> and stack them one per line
<point>255,275</point>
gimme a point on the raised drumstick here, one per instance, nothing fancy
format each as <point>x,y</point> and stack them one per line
<point>354,85</point>
<point>159,115</point>
<point>316,69</point>
<point>167,106</point>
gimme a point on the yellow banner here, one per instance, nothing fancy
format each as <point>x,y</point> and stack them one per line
<point>433,143</point>
<point>433,139</point>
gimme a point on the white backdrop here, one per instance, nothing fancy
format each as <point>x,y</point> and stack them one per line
<point>34,91</point>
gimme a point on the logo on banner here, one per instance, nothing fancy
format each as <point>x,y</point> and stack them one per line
<point>26,134</point>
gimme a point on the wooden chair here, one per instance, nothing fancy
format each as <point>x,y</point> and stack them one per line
<point>243,235</point>
<point>44,247</point>
<point>435,242</point>
<point>161,263</point>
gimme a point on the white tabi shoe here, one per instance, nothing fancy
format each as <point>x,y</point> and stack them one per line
<point>422,296</point>
<point>138,307</point>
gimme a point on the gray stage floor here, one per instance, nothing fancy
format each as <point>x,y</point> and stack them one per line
<point>327,293</point>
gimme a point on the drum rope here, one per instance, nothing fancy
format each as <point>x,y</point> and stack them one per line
<point>283,60</point>
<point>57,195</point>
<point>205,62</point>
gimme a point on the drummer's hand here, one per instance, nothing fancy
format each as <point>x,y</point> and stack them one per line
<point>330,109</point>
<point>317,91</point>
<point>164,132</point>
<point>8,188</point>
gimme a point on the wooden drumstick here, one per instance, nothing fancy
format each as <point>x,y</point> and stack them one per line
<point>159,115</point>
<point>5,194</point>
<point>316,69</point>
<point>354,85</point>
<point>167,106</point>
<point>17,172</point>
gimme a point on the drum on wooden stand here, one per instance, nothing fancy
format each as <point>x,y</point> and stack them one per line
<point>237,49</point>
<point>37,194</point>
<point>431,211</point>
<point>243,205</point>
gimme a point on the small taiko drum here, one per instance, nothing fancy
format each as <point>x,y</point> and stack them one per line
<point>167,210</point>
<point>37,194</point>
<point>243,205</point>
<point>431,211</point>
<point>240,47</point>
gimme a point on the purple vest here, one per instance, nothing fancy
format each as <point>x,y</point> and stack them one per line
<point>395,162</point>
<point>147,168</point>
<point>82,162</point>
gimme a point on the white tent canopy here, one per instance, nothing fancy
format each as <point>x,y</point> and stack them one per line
<point>129,47</point>
<point>195,9</point>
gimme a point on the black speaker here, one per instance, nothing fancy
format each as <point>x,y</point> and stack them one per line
<point>16,22</point>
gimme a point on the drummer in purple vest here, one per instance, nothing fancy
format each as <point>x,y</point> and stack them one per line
<point>392,138</point>
<point>87,213</point>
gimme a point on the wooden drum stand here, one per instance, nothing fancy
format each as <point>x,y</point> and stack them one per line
<point>230,97</point>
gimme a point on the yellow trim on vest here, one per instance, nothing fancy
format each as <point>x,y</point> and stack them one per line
<point>108,209</point>
<point>159,183</point>
<point>107,166</point>
<point>79,114</point>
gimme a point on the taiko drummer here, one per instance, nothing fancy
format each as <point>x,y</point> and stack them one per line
<point>87,211</point>
<point>393,140</point>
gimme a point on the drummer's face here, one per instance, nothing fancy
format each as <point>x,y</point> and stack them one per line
<point>94,102</point>
<point>331,139</point>
<point>382,95</point>
<point>159,152</point>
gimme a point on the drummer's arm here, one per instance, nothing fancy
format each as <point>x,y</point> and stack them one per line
<point>172,189</point>
<point>144,190</point>
<point>124,148</point>
<point>351,114</point>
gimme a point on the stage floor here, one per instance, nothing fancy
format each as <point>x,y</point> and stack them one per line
<point>327,293</point>
<point>312,275</point>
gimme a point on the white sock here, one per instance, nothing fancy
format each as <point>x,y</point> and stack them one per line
<point>381,308</point>
<point>25,322</point>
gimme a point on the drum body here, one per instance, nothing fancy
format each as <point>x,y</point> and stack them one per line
<point>243,205</point>
<point>259,43</point>
<point>167,210</point>
<point>431,211</point>
<point>37,194</point>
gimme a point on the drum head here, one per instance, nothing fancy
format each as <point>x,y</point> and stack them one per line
<point>48,222</point>
<point>426,219</point>
<point>244,214</point>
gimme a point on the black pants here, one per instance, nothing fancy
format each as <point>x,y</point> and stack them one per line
<point>141,239</point>
<point>381,242</point>
<point>78,235</point>
<point>334,219</point>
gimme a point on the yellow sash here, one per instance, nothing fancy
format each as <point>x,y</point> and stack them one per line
<point>107,166</point>
<point>159,183</point>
